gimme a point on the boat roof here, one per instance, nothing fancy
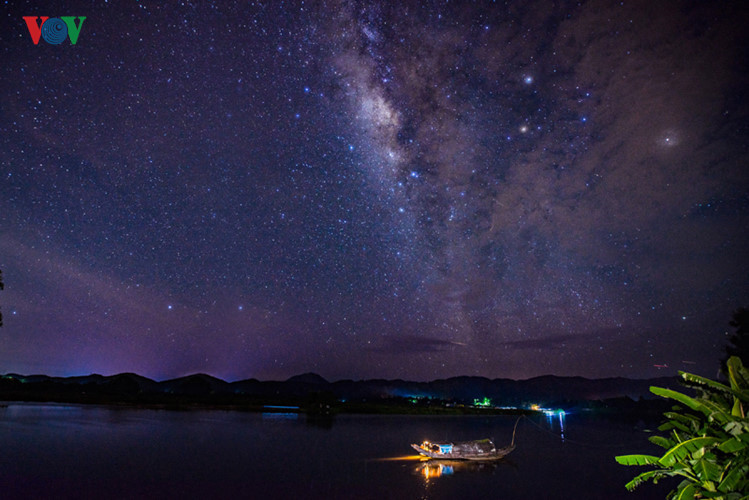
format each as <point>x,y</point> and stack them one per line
<point>475,441</point>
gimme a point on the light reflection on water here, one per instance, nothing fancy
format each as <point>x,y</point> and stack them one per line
<point>215,454</point>
<point>433,469</point>
<point>26,409</point>
<point>280,416</point>
<point>551,417</point>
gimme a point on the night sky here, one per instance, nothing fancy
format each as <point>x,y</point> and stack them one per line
<point>374,189</point>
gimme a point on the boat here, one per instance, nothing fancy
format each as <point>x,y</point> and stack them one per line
<point>481,449</point>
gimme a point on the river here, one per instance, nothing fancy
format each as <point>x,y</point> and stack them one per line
<point>69,451</point>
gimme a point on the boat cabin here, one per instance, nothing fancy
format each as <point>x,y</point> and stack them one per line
<point>437,448</point>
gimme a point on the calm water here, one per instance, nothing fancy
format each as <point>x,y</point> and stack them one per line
<point>61,451</point>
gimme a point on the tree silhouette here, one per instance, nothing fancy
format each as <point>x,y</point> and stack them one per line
<point>740,338</point>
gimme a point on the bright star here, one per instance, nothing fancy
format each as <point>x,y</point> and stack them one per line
<point>669,138</point>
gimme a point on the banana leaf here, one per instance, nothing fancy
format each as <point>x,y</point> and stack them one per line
<point>734,478</point>
<point>661,441</point>
<point>686,493</point>
<point>707,470</point>
<point>645,476</point>
<point>732,445</point>
<point>681,398</point>
<point>637,459</point>
<point>680,451</point>
<point>696,379</point>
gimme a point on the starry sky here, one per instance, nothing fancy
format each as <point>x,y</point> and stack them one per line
<point>374,189</point>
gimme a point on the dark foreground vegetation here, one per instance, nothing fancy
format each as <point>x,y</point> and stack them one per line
<point>706,438</point>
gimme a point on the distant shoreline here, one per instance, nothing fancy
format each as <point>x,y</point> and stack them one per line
<point>352,409</point>
<point>312,395</point>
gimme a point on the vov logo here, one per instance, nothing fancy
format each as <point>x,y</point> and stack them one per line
<point>54,30</point>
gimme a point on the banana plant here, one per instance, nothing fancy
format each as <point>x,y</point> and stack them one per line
<point>706,439</point>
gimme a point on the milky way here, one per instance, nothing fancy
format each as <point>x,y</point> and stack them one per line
<point>398,190</point>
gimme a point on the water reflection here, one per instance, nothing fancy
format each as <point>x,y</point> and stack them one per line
<point>280,416</point>
<point>205,454</point>
<point>552,416</point>
<point>432,469</point>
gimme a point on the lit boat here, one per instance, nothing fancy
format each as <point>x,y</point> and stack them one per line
<point>482,449</point>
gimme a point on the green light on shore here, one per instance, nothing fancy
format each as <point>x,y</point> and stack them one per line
<point>550,413</point>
